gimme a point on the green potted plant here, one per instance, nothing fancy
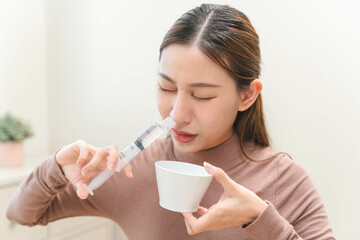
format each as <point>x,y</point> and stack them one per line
<point>13,132</point>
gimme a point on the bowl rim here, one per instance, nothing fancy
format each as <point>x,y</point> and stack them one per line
<point>157,164</point>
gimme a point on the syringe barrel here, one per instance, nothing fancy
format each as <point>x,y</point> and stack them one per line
<point>98,180</point>
<point>128,154</point>
<point>125,156</point>
<point>131,151</point>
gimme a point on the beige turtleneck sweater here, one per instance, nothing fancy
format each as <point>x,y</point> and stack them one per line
<point>295,208</point>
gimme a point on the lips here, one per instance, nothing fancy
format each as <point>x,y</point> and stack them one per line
<point>182,136</point>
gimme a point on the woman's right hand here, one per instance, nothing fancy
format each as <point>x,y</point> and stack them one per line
<point>81,161</point>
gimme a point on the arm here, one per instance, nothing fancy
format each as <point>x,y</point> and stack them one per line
<point>41,197</point>
<point>54,190</point>
<point>239,206</point>
<point>298,212</point>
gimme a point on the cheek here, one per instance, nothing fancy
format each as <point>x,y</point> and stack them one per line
<point>219,116</point>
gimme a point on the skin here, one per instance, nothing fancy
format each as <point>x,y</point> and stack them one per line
<point>196,109</point>
<point>199,95</point>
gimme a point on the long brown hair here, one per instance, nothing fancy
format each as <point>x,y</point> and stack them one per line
<point>227,37</point>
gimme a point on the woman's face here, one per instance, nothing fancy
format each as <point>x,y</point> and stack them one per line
<point>200,96</point>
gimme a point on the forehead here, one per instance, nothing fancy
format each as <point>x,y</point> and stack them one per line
<point>188,65</point>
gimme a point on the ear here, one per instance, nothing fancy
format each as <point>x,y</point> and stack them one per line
<point>248,97</point>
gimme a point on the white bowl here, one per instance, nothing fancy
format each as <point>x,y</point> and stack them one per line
<point>181,185</point>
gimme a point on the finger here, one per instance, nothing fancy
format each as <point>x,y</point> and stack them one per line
<point>201,210</point>
<point>83,156</point>
<point>128,171</point>
<point>113,157</point>
<point>81,190</point>
<point>100,156</point>
<point>187,217</point>
<point>219,175</point>
<point>196,225</point>
<point>187,225</point>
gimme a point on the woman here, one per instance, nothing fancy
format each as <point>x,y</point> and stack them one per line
<point>208,82</point>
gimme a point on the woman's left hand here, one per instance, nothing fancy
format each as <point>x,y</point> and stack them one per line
<point>237,206</point>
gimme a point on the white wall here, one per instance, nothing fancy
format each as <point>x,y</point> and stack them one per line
<point>311,83</point>
<point>101,73</point>
<point>102,68</point>
<point>311,77</point>
<point>23,82</point>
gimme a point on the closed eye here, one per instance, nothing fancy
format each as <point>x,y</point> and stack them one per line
<point>201,99</point>
<point>195,97</point>
<point>165,90</point>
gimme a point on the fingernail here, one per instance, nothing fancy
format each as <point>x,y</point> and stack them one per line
<point>85,171</point>
<point>111,165</point>
<point>208,165</point>
<point>131,175</point>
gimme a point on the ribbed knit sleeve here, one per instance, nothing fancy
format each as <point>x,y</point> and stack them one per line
<point>298,211</point>
<point>46,195</point>
<point>31,200</point>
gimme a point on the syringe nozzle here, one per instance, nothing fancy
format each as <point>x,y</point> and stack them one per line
<point>168,123</point>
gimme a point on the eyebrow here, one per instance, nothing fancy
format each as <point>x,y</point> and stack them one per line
<point>199,84</point>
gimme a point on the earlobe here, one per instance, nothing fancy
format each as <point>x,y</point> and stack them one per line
<point>248,97</point>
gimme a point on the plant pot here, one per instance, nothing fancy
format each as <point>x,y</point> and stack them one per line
<point>11,154</point>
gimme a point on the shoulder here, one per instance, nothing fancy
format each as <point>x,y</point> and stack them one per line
<point>289,170</point>
<point>285,172</point>
<point>280,162</point>
<point>297,199</point>
<point>294,184</point>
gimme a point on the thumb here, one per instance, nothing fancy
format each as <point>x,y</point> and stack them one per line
<point>219,175</point>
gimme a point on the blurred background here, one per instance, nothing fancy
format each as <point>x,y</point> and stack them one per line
<point>87,70</point>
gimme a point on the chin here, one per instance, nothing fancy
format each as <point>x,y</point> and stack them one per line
<point>187,148</point>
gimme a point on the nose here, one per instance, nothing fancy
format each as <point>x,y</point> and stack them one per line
<point>181,111</point>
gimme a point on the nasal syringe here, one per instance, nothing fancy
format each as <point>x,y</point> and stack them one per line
<point>126,155</point>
